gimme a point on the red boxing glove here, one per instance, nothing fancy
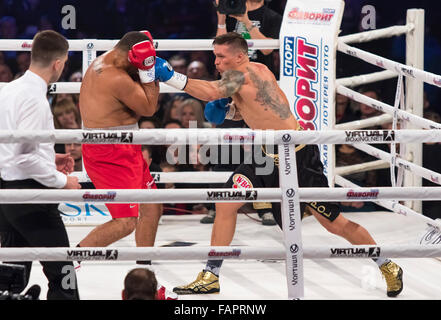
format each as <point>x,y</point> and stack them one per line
<point>143,55</point>
<point>147,33</point>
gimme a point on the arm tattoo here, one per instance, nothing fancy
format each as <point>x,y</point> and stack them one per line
<point>267,97</point>
<point>231,82</point>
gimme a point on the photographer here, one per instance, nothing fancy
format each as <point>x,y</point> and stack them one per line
<point>258,22</point>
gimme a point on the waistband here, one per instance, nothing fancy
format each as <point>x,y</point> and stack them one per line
<point>126,127</point>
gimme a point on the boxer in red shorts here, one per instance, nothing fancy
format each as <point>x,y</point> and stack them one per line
<point>117,89</point>
<point>118,166</point>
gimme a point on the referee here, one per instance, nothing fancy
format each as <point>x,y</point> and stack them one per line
<point>33,165</point>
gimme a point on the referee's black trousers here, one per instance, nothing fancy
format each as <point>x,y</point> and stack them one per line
<point>38,225</point>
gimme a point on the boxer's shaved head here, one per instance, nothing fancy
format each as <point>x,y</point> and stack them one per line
<point>234,40</point>
<point>129,39</point>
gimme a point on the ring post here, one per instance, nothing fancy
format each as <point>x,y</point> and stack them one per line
<point>414,94</point>
<point>291,218</point>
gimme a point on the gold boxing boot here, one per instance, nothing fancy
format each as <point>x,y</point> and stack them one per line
<point>394,278</point>
<point>206,282</point>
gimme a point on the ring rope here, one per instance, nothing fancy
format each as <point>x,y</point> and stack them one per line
<point>391,65</point>
<point>392,204</point>
<point>355,81</point>
<point>220,136</point>
<point>215,195</point>
<point>215,253</point>
<point>384,107</point>
<point>400,163</point>
<point>370,35</point>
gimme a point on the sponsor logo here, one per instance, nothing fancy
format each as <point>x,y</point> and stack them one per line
<point>287,169</point>
<point>239,137</point>
<point>407,72</point>
<point>292,218</point>
<point>156,177</point>
<point>122,137</point>
<point>241,181</point>
<point>306,73</point>
<point>294,248</point>
<point>370,136</point>
<point>351,52</point>
<point>232,195</point>
<point>356,252</point>
<point>434,179</point>
<point>150,61</point>
<point>290,193</point>
<point>76,254</point>
<point>437,81</point>
<point>288,56</point>
<point>100,196</point>
<point>404,166</point>
<point>286,138</point>
<point>324,17</point>
<point>52,88</point>
<point>376,106</point>
<point>90,46</point>
<point>232,253</point>
<point>26,45</point>
<point>379,63</point>
<point>373,194</point>
<point>431,236</point>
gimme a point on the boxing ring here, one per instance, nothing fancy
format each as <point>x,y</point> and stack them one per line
<point>331,268</point>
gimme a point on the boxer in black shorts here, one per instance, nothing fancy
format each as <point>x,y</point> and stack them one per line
<point>310,174</point>
<point>249,91</point>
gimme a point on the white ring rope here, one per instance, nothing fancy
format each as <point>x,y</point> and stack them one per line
<point>391,65</point>
<point>400,163</point>
<point>220,136</point>
<point>215,195</point>
<point>365,123</point>
<point>215,253</point>
<point>367,36</point>
<point>88,45</point>
<point>392,204</point>
<point>160,44</point>
<point>384,107</point>
<point>355,81</point>
<point>177,177</point>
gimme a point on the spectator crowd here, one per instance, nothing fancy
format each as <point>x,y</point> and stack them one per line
<point>197,19</point>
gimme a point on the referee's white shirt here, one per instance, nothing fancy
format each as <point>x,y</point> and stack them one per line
<point>24,106</point>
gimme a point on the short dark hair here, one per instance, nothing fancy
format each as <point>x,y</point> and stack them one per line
<point>233,39</point>
<point>47,46</point>
<point>140,284</point>
<point>148,148</point>
<point>129,39</point>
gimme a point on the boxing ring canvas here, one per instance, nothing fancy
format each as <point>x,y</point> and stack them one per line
<point>325,279</point>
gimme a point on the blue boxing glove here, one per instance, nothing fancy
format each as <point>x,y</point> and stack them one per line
<point>218,110</point>
<point>165,73</point>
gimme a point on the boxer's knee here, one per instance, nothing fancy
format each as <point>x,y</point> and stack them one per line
<point>127,225</point>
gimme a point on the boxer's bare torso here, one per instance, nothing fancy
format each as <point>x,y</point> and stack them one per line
<point>110,97</point>
<point>253,87</point>
<point>261,102</point>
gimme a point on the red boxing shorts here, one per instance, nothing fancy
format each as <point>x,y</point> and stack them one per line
<point>118,166</point>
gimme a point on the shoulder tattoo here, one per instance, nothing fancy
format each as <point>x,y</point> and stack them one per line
<point>231,82</point>
<point>267,97</point>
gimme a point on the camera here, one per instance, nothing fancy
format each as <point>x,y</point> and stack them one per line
<point>232,6</point>
<point>13,281</point>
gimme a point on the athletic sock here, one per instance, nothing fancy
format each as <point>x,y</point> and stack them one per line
<point>214,266</point>
<point>381,261</point>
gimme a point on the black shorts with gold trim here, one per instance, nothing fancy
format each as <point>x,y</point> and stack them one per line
<point>252,174</point>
